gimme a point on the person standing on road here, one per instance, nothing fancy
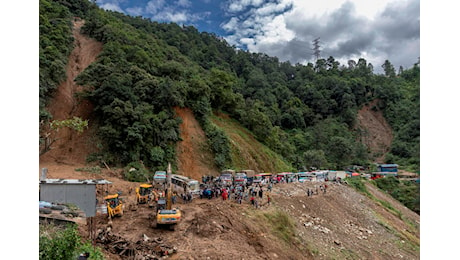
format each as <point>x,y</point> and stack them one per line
<point>174,198</point>
<point>224,195</point>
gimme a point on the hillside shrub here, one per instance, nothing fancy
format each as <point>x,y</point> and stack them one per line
<point>137,172</point>
<point>407,192</point>
<point>56,243</point>
<point>219,143</point>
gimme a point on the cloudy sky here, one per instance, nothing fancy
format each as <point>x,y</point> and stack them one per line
<point>375,30</point>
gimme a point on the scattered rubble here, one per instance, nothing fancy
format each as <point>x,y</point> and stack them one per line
<point>143,248</point>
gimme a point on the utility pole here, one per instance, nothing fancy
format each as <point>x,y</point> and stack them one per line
<point>316,51</point>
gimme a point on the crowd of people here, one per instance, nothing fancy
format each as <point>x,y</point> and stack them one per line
<point>238,193</point>
<point>255,194</point>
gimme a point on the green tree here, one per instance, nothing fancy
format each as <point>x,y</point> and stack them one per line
<point>314,158</point>
<point>389,69</point>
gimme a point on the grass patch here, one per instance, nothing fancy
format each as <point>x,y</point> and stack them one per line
<point>282,225</point>
<point>411,242</point>
<point>387,205</point>
<point>358,185</point>
<point>349,254</point>
<point>94,169</point>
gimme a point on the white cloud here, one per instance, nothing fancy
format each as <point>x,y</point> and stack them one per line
<point>184,3</point>
<point>231,25</point>
<point>154,6</point>
<point>271,8</point>
<point>177,17</point>
<point>275,31</point>
<point>235,6</point>
<point>177,11</point>
<point>112,7</point>
<point>135,11</point>
<point>366,8</point>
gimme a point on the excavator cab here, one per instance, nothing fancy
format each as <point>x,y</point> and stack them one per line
<point>161,204</point>
<point>165,214</point>
<point>143,193</point>
<point>114,205</point>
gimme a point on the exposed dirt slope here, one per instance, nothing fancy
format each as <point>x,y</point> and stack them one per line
<point>377,134</point>
<point>193,158</point>
<point>72,147</point>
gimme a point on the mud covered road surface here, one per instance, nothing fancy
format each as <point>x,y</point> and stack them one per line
<point>338,224</point>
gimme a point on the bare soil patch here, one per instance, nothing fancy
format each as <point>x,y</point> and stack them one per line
<point>193,157</point>
<point>377,134</point>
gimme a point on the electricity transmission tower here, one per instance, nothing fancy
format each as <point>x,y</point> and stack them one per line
<point>315,49</point>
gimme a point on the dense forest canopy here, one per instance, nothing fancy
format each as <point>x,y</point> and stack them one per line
<point>305,113</point>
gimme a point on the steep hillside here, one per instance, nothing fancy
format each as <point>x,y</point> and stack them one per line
<point>247,152</point>
<point>376,133</point>
<point>72,147</point>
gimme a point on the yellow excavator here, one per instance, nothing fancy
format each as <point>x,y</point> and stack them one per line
<point>166,215</point>
<point>143,193</point>
<point>114,205</point>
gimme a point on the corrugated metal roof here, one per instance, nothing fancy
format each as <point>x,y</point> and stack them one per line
<point>75,181</point>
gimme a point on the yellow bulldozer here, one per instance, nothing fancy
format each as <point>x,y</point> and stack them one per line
<point>114,205</point>
<point>144,193</point>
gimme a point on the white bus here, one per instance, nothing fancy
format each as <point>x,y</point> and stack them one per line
<point>304,176</point>
<point>187,184</point>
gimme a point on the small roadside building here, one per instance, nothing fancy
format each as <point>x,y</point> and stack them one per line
<point>81,193</point>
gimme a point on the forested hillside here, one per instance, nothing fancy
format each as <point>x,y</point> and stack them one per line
<point>305,113</point>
